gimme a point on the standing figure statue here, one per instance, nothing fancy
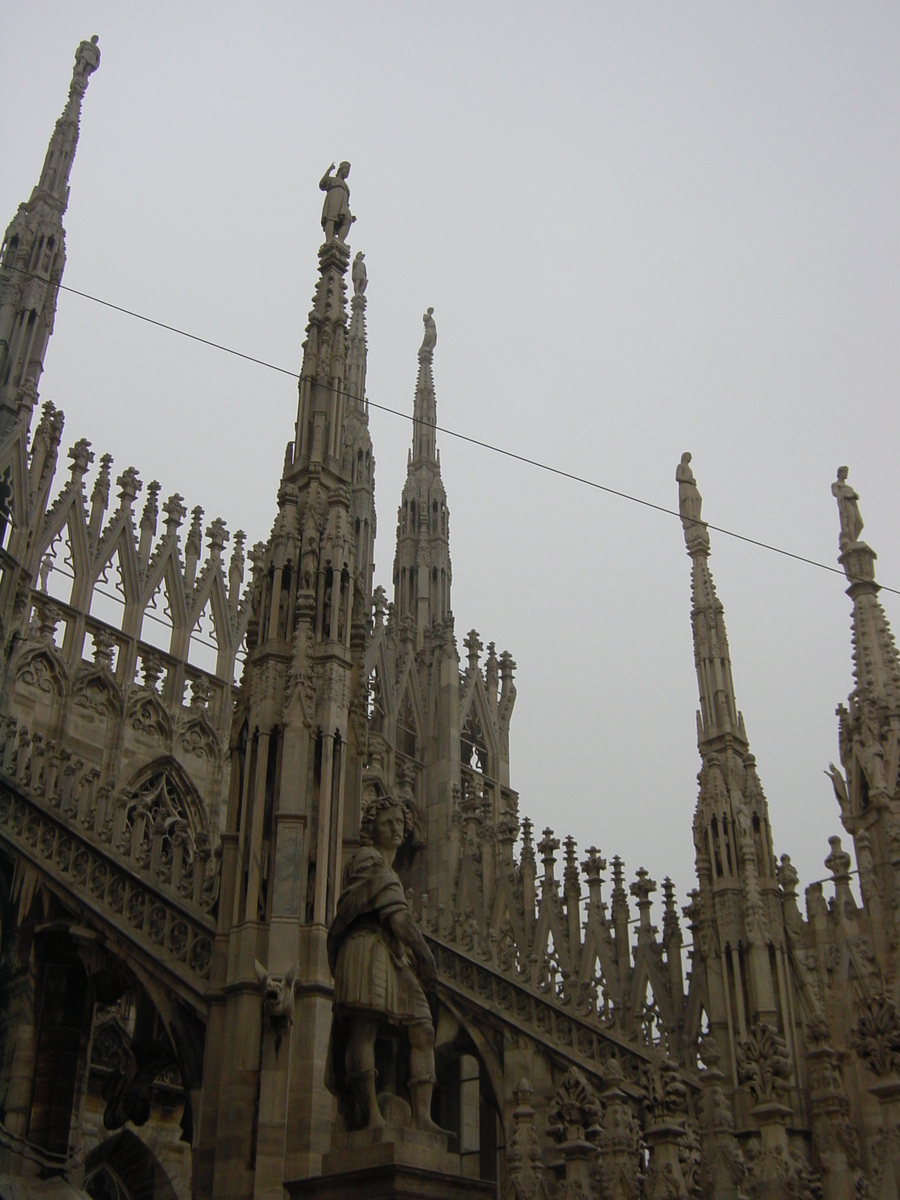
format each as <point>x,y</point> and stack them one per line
<point>848,508</point>
<point>429,341</point>
<point>359,275</point>
<point>689,498</point>
<point>336,217</point>
<point>381,967</point>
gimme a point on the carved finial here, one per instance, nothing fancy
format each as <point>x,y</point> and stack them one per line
<point>100,493</point>
<point>838,861</point>
<point>429,341</point>
<point>788,877</point>
<point>129,485</point>
<point>474,646</point>
<point>175,513</point>
<point>193,546</point>
<point>547,847</point>
<point>336,216</point>
<point>218,535</point>
<point>236,569</point>
<point>151,508</point>
<point>81,456</point>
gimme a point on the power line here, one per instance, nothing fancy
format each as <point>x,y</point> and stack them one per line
<point>464,437</point>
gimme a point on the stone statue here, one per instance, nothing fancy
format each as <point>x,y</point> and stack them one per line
<point>429,341</point>
<point>848,508</point>
<point>689,498</point>
<point>336,217</point>
<point>381,966</point>
<point>358,275</point>
<point>87,60</point>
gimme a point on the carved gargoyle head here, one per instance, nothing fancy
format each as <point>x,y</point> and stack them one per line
<point>278,995</point>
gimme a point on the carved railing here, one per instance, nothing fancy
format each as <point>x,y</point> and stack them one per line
<point>581,1040</point>
<point>175,932</point>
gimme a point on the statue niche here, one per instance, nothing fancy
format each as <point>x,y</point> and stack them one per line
<point>382,969</point>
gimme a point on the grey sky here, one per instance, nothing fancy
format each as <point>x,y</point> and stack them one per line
<point>643,228</point>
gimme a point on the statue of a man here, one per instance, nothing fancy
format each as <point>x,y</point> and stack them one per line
<point>87,60</point>
<point>848,508</point>
<point>381,966</point>
<point>689,499</point>
<point>359,275</point>
<point>336,218</point>
<point>429,341</point>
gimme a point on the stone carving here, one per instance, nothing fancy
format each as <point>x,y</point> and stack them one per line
<point>278,998</point>
<point>336,217</point>
<point>689,504</point>
<point>359,275</point>
<point>848,509</point>
<point>763,1063</point>
<point>381,966</point>
<point>574,1120</point>
<point>524,1163</point>
<point>834,1138</point>
<point>429,341</point>
<point>877,1036</point>
<point>689,498</point>
<point>620,1146</point>
<point>723,1167</point>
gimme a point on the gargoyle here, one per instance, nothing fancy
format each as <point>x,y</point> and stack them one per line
<point>278,998</point>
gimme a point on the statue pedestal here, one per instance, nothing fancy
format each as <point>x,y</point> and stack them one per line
<point>389,1164</point>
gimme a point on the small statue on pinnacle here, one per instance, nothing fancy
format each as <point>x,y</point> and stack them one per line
<point>359,275</point>
<point>689,505</point>
<point>848,508</point>
<point>689,499</point>
<point>429,341</point>
<point>87,60</point>
<point>336,216</point>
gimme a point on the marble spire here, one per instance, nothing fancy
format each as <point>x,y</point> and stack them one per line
<point>33,257</point>
<point>422,573</point>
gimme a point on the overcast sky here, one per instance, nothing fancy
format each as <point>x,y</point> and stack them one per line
<point>644,228</point>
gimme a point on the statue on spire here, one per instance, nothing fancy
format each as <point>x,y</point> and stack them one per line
<point>690,502</point>
<point>87,60</point>
<point>359,275</point>
<point>848,508</point>
<point>336,216</point>
<point>429,341</point>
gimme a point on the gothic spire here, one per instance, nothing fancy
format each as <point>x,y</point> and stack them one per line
<point>718,713</point>
<point>425,408</point>
<point>732,838</point>
<point>33,257</point>
<point>422,573</point>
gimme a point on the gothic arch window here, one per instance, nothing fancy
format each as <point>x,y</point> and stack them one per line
<point>473,747</point>
<point>163,801</point>
<point>406,728</point>
<point>376,704</point>
<point>124,1168</point>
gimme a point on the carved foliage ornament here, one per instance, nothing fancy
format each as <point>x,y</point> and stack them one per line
<point>877,1036</point>
<point>763,1063</point>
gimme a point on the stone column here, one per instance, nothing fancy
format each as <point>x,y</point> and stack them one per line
<point>574,1120</point>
